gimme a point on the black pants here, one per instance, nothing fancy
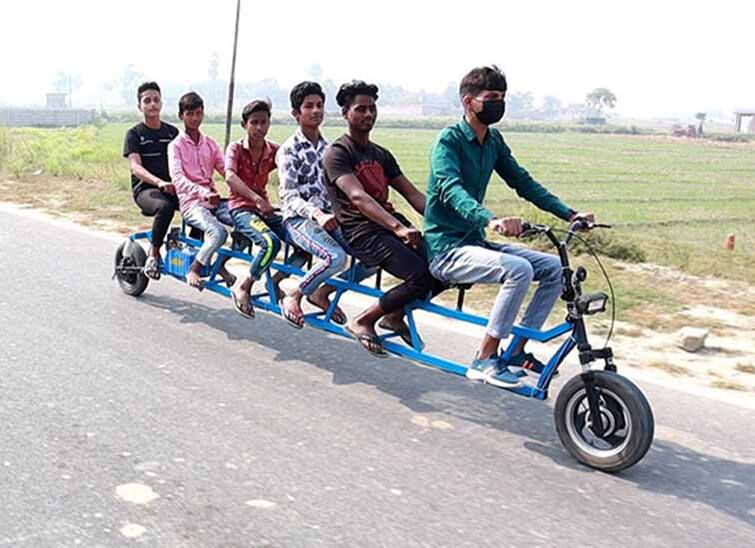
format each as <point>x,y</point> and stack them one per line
<point>383,248</point>
<point>155,203</point>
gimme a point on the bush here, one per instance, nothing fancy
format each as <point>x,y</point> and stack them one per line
<point>603,242</point>
<point>730,137</point>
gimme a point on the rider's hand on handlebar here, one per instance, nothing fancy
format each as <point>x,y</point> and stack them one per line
<point>584,219</point>
<point>509,226</point>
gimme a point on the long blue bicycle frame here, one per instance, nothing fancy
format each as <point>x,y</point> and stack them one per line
<point>322,320</point>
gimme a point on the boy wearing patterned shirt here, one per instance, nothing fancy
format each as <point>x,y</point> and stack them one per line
<point>307,211</point>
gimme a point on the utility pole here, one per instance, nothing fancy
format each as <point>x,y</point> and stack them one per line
<point>231,84</point>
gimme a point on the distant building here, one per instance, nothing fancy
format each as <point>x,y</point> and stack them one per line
<point>739,116</point>
<point>57,100</point>
<point>45,117</point>
<point>56,113</point>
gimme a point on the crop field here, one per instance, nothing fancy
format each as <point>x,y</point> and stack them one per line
<point>672,200</point>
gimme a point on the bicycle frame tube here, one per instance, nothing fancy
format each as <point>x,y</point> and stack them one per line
<point>322,320</point>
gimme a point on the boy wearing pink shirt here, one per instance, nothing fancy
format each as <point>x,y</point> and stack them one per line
<point>193,157</point>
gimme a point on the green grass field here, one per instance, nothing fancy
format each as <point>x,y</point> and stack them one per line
<point>674,199</point>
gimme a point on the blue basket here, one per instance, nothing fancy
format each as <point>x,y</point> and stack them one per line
<point>178,261</point>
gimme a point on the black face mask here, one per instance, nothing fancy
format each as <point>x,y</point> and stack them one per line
<point>492,111</point>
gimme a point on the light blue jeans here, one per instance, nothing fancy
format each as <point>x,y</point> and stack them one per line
<point>209,222</point>
<point>330,248</point>
<point>514,268</point>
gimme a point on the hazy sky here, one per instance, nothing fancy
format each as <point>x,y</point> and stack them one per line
<point>658,57</point>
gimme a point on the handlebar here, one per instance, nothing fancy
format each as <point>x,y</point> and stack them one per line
<point>529,229</point>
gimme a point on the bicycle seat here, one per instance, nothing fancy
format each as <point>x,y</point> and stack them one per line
<point>462,290</point>
<point>461,287</point>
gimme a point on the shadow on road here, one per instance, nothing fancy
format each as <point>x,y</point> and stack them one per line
<point>672,469</point>
<point>669,468</point>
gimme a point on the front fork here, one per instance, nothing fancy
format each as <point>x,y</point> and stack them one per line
<point>587,355</point>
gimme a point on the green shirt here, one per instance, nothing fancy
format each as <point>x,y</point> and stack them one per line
<point>460,170</point>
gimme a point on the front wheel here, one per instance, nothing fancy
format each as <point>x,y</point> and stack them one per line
<point>129,264</point>
<point>625,414</point>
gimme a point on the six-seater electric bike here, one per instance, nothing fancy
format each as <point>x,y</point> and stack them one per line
<point>601,417</point>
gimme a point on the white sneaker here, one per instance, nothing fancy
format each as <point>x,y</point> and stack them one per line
<point>502,378</point>
<point>480,368</point>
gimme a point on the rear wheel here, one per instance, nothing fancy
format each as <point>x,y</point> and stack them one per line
<point>625,415</point>
<point>129,264</point>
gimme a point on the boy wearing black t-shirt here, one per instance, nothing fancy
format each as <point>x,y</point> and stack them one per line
<point>358,175</point>
<point>146,147</point>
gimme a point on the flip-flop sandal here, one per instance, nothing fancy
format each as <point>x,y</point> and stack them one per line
<point>230,280</point>
<point>290,318</point>
<point>227,276</point>
<point>338,316</point>
<point>152,268</point>
<point>199,286</point>
<point>246,311</point>
<point>371,343</point>
<point>403,332</point>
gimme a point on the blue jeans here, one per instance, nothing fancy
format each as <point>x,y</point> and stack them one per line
<point>330,248</point>
<point>209,221</point>
<point>514,268</point>
<point>267,233</point>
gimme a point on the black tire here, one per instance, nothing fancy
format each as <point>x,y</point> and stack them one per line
<point>129,255</point>
<point>625,413</point>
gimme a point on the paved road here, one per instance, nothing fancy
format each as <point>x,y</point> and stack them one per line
<point>170,421</point>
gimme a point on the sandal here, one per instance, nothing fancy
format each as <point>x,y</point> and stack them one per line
<point>229,279</point>
<point>152,268</point>
<point>298,323</point>
<point>403,332</point>
<point>198,285</point>
<point>369,342</point>
<point>338,316</point>
<point>245,309</point>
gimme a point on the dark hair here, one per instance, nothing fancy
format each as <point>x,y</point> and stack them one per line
<point>302,90</point>
<point>348,91</point>
<point>258,105</point>
<point>146,86</point>
<point>481,79</point>
<point>189,101</point>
